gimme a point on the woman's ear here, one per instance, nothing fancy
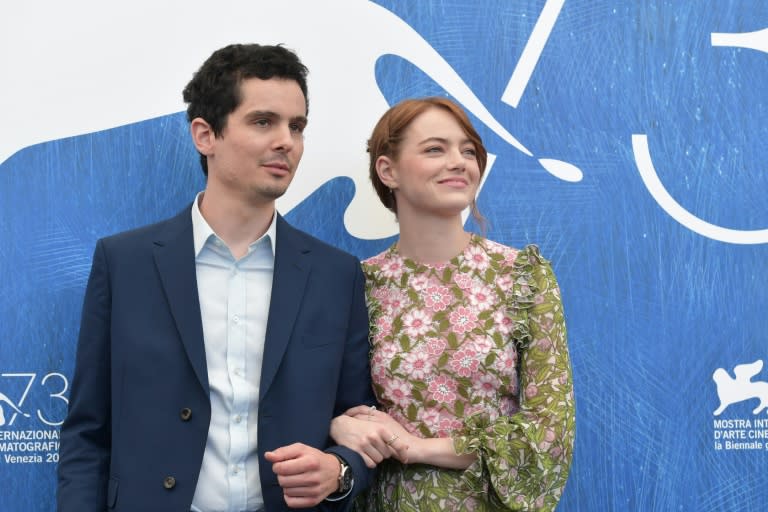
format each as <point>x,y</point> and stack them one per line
<point>202,136</point>
<point>386,171</point>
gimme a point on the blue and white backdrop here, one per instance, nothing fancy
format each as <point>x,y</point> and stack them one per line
<point>627,140</point>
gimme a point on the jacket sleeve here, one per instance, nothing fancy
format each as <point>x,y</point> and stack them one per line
<point>84,453</point>
<point>354,389</point>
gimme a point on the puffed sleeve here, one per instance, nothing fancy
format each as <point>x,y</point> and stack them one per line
<point>524,458</point>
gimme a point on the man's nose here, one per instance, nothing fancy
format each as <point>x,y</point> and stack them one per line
<point>283,138</point>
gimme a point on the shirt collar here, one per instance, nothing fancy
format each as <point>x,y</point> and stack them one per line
<point>202,231</point>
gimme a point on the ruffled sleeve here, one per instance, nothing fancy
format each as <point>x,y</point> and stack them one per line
<point>524,458</point>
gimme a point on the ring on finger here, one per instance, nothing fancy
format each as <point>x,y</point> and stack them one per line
<point>392,439</point>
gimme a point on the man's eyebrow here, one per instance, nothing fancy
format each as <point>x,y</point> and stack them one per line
<point>268,114</point>
<point>261,113</point>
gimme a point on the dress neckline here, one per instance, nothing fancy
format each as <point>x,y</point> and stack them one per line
<point>455,260</point>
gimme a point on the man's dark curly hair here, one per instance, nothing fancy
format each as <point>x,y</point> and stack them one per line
<point>214,91</point>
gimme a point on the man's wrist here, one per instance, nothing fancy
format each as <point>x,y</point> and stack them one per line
<point>345,480</point>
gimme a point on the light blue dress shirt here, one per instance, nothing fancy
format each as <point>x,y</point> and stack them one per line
<point>234,303</point>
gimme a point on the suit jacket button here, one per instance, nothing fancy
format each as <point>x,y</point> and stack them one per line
<point>169,482</point>
<point>186,414</point>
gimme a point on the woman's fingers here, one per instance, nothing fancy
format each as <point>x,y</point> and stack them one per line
<point>368,460</point>
<point>360,410</point>
<point>371,433</point>
<point>399,450</point>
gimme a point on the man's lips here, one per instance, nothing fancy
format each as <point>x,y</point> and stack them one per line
<point>277,167</point>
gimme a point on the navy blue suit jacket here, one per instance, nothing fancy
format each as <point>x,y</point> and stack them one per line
<point>139,410</point>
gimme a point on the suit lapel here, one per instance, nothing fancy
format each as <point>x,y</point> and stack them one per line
<point>175,260</point>
<point>292,268</point>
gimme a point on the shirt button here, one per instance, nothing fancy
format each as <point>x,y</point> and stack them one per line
<point>186,414</point>
<point>169,482</point>
<point>238,418</point>
<point>236,319</point>
<point>235,470</point>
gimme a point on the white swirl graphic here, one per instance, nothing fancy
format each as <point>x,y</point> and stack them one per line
<point>757,40</point>
<point>680,214</point>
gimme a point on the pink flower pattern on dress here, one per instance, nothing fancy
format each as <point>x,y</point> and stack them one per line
<point>399,390</point>
<point>391,267</point>
<point>463,319</point>
<point>393,301</point>
<point>477,258</point>
<point>437,298</point>
<point>505,283</point>
<point>435,347</point>
<point>448,425</point>
<point>502,321</point>
<point>417,365</point>
<point>463,281</point>
<point>487,385</point>
<point>416,323</point>
<point>464,362</point>
<point>481,297</point>
<point>483,345</point>
<point>443,358</point>
<point>383,326</point>
<point>419,282</point>
<point>443,389</point>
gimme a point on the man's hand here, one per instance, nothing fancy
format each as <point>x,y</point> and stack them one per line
<point>307,475</point>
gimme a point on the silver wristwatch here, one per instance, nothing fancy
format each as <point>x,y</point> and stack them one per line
<point>345,476</point>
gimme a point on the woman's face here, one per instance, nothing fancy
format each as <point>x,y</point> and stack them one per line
<point>436,171</point>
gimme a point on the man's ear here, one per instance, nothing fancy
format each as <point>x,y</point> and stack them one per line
<point>202,136</point>
<point>385,169</point>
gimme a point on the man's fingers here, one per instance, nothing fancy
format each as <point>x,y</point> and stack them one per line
<point>307,479</point>
<point>297,482</point>
<point>291,451</point>
<point>302,497</point>
<point>301,501</point>
<point>297,466</point>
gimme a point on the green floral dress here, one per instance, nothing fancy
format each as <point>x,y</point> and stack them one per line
<point>448,342</point>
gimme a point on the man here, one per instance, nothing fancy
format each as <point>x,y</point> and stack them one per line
<point>216,346</point>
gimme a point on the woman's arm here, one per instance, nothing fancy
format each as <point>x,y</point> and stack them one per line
<point>526,456</point>
<point>375,428</point>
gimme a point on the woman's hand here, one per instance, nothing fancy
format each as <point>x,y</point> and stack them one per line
<point>397,440</point>
<point>437,451</point>
<point>373,440</point>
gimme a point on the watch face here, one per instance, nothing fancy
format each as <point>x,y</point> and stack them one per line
<point>346,479</point>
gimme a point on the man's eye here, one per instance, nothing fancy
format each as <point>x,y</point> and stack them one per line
<point>261,122</point>
<point>297,127</point>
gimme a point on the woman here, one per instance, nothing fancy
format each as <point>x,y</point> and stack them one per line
<point>468,344</point>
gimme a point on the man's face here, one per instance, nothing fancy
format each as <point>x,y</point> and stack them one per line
<point>257,153</point>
